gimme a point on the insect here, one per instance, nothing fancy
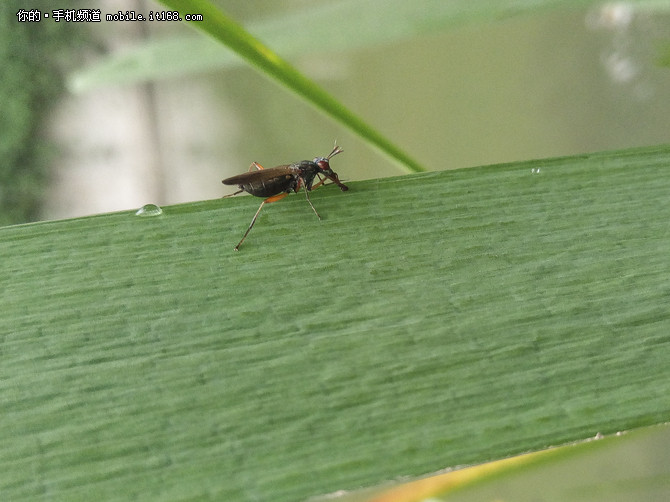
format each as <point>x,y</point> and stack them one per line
<point>277,182</point>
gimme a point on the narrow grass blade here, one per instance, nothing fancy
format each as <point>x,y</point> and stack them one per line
<point>229,32</point>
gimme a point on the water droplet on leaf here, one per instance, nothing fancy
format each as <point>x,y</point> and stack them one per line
<point>149,210</point>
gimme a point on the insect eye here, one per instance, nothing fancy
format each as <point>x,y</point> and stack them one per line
<point>323,164</point>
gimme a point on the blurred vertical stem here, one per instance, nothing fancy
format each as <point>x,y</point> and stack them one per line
<point>233,35</point>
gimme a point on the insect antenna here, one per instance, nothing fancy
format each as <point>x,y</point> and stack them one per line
<point>336,150</point>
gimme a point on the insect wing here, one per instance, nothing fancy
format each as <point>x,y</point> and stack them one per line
<point>265,182</point>
<point>260,175</point>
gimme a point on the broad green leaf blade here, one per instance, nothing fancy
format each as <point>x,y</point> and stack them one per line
<point>430,320</point>
<point>229,32</point>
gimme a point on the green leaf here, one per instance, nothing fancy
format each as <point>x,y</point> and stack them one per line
<point>430,320</point>
<point>229,32</point>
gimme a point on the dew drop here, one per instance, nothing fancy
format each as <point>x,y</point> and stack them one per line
<point>149,210</point>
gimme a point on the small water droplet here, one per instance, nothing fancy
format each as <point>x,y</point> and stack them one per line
<point>149,210</point>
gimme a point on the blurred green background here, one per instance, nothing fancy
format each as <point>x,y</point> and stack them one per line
<point>34,59</point>
<point>467,90</point>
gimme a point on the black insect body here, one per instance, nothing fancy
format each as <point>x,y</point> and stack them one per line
<point>277,182</point>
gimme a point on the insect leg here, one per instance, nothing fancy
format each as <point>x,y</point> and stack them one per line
<point>253,220</point>
<point>319,183</point>
<point>277,197</point>
<point>256,165</point>
<point>274,198</point>
<point>232,194</point>
<point>310,203</point>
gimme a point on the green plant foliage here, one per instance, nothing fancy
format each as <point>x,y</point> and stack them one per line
<point>31,56</point>
<point>229,32</point>
<point>429,320</point>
